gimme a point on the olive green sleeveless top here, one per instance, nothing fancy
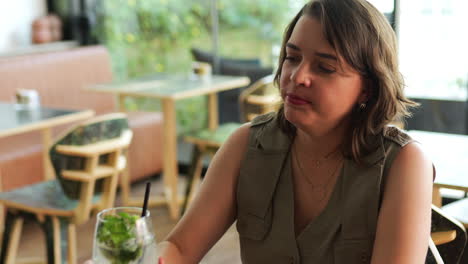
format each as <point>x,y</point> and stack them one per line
<point>345,230</point>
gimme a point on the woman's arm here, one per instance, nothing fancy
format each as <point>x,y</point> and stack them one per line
<point>214,208</point>
<point>403,228</point>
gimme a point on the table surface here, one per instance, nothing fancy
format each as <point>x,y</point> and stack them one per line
<point>449,153</point>
<point>165,86</point>
<point>16,119</point>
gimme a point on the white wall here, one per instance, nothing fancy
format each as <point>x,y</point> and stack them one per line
<point>16,17</point>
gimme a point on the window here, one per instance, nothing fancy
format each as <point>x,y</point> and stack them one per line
<point>434,48</point>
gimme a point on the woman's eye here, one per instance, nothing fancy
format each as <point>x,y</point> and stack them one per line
<point>291,58</point>
<point>328,70</point>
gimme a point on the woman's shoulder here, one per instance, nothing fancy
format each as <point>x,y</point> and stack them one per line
<point>265,132</point>
<point>397,136</point>
<point>402,148</point>
<point>263,119</point>
<point>240,136</point>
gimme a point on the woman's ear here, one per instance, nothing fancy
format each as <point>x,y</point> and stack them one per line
<point>366,93</point>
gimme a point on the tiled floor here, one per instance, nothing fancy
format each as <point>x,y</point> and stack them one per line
<point>33,243</point>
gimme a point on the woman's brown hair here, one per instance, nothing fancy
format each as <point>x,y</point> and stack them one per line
<point>362,36</point>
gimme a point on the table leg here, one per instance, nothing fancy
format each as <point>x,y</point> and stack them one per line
<point>170,171</point>
<point>46,143</point>
<point>124,180</point>
<point>213,111</point>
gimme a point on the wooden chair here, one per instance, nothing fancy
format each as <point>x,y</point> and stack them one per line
<point>260,98</point>
<point>448,238</point>
<point>87,161</point>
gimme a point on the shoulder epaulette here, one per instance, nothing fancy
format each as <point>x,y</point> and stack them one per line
<point>397,135</point>
<point>262,119</point>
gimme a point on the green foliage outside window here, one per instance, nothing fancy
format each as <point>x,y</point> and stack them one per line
<point>150,36</point>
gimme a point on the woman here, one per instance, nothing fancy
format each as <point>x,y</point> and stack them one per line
<point>324,180</point>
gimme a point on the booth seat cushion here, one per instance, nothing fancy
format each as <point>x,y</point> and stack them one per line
<point>59,77</point>
<point>21,161</point>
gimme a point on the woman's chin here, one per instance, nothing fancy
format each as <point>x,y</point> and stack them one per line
<point>299,118</point>
<point>293,116</point>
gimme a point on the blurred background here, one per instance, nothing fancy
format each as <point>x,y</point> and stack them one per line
<point>151,36</point>
<point>238,37</point>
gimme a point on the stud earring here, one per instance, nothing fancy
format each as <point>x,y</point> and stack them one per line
<point>362,106</point>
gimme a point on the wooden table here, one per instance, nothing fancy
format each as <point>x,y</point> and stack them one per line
<point>449,153</point>
<point>16,120</point>
<point>169,89</point>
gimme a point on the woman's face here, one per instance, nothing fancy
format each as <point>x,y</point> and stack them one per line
<point>318,87</point>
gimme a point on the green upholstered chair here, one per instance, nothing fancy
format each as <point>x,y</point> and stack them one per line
<point>87,161</point>
<point>260,98</point>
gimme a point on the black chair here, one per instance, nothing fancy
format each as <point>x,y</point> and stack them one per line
<point>228,100</point>
<point>205,56</point>
<point>449,238</point>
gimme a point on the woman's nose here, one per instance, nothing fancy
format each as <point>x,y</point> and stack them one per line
<point>302,75</point>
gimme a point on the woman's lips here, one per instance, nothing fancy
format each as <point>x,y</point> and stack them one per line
<point>296,100</point>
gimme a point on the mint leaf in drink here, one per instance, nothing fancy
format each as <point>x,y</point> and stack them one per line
<point>117,238</point>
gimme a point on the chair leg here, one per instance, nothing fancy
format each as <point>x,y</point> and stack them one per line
<point>193,176</point>
<point>109,187</point>
<point>71,243</point>
<point>2,219</point>
<point>2,209</point>
<point>436,197</point>
<point>11,238</point>
<point>52,233</point>
<point>433,255</point>
<point>57,240</point>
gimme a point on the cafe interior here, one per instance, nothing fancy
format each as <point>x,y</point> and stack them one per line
<point>98,98</point>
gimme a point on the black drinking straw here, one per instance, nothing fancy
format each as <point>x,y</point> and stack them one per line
<point>145,202</point>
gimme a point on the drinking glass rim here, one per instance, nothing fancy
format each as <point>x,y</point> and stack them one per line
<point>123,208</point>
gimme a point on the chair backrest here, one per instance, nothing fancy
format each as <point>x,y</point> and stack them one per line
<point>88,159</point>
<point>250,67</point>
<point>205,56</point>
<point>452,251</point>
<point>260,98</point>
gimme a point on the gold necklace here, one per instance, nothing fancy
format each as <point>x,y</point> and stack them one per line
<point>320,189</point>
<point>319,162</point>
